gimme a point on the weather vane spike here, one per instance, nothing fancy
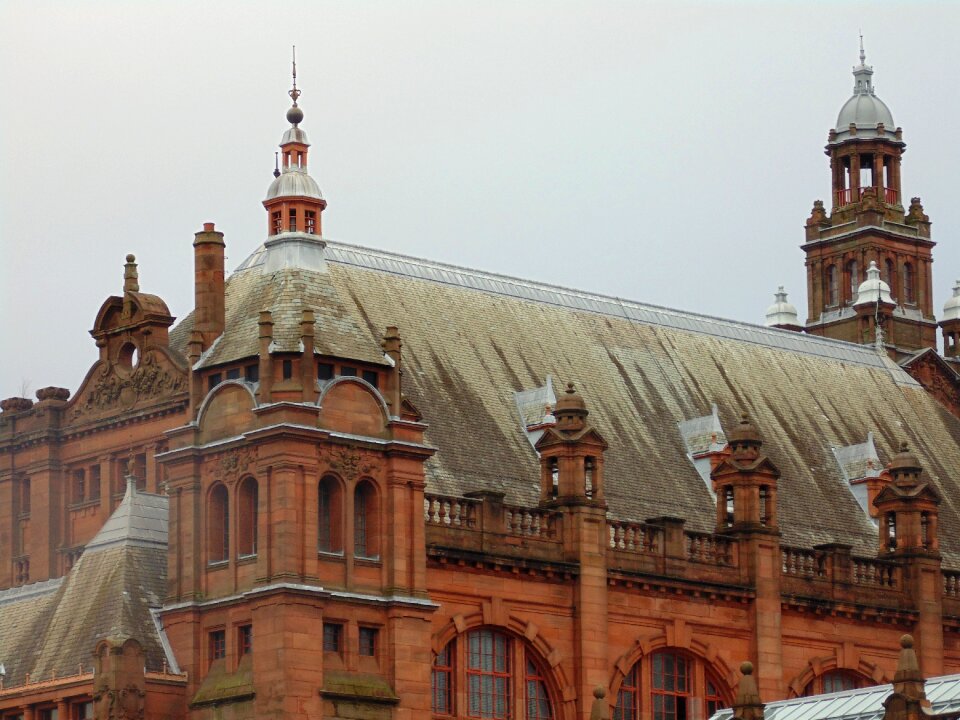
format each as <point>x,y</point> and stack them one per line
<point>863,55</point>
<point>294,93</point>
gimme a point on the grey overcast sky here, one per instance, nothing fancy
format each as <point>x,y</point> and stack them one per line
<point>665,152</point>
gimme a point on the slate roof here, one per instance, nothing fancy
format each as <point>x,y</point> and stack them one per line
<point>863,704</point>
<point>473,339</point>
<point>110,591</point>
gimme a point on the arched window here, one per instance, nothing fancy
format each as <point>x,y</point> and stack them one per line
<point>908,283</point>
<point>495,677</point>
<point>833,286</point>
<point>366,531</point>
<point>218,525</point>
<point>835,681</point>
<point>247,517</point>
<point>680,687</point>
<point>329,516</point>
<point>589,465</point>
<point>853,271</point>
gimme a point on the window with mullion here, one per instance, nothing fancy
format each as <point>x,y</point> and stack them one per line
<point>538,702</point>
<point>488,675</point>
<point>671,686</point>
<point>441,680</point>
<point>628,698</point>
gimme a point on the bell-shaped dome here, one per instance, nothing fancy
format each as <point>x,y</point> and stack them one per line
<point>781,312</point>
<point>294,182</point>
<point>864,109</point>
<point>873,289</point>
<point>951,308</point>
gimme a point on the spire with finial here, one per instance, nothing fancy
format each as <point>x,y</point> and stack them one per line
<point>294,201</point>
<point>295,93</point>
<point>862,73</point>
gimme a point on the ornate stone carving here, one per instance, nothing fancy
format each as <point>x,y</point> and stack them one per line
<point>229,466</point>
<point>349,463</point>
<point>150,379</point>
<point>123,704</point>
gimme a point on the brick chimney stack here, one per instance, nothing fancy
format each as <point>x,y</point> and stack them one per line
<point>208,259</point>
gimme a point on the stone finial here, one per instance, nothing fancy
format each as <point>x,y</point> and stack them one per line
<point>915,213</point>
<point>130,278</point>
<point>818,215</point>
<point>53,393</point>
<point>748,705</point>
<point>908,680</point>
<point>600,710</point>
<point>15,404</point>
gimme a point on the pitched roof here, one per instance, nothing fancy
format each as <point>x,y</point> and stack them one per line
<point>862,704</point>
<point>110,592</point>
<point>473,339</point>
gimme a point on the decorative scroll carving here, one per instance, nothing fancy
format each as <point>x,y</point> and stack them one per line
<point>229,466</point>
<point>348,462</point>
<point>151,378</point>
<point>123,704</point>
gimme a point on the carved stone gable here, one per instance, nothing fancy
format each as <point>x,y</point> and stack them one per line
<point>112,388</point>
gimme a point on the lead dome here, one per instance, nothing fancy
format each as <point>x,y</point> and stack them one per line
<point>864,109</point>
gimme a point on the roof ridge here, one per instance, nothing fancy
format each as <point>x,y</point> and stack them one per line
<point>868,352</point>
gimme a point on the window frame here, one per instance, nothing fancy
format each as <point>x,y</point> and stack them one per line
<point>700,676</point>
<point>452,668</point>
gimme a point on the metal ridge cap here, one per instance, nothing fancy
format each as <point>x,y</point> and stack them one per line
<point>814,340</point>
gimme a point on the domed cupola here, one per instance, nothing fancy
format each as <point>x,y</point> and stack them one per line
<point>782,314</point>
<point>864,115</point>
<point>950,324</point>
<point>294,201</point>
<point>873,289</point>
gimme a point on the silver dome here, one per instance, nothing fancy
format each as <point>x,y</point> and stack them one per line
<point>873,289</point>
<point>294,182</point>
<point>864,109</point>
<point>781,312</point>
<point>951,309</point>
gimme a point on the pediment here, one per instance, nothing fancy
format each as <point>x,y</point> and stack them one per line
<point>761,466</point>
<point>110,388</point>
<point>586,436</point>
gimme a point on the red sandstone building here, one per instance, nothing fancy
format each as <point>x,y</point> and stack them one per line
<point>353,484</point>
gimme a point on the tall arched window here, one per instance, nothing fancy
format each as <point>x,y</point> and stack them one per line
<point>679,687</point>
<point>247,517</point>
<point>218,524</point>
<point>908,283</point>
<point>491,676</point>
<point>329,516</point>
<point>833,286</point>
<point>366,531</point>
<point>835,681</point>
<point>853,271</point>
<point>890,276</point>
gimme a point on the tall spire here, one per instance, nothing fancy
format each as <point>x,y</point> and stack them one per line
<point>863,55</point>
